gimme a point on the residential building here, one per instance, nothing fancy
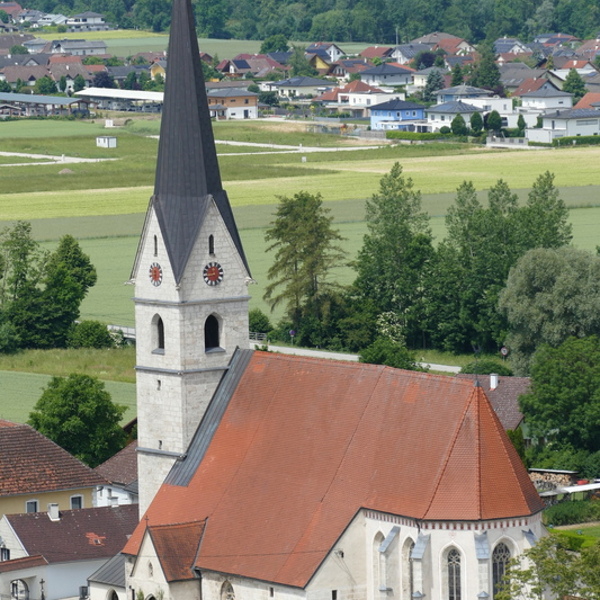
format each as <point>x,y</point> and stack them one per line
<point>442,115</point>
<point>35,472</point>
<point>265,475</point>
<point>355,98</point>
<point>461,92</point>
<point>121,475</point>
<point>398,114</point>
<point>387,74</point>
<point>333,50</point>
<point>300,87</point>
<point>53,553</point>
<point>87,21</point>
<point>235,104</point>
<point>78,47</point>
<point>566,123</point>
<point>406,53</point>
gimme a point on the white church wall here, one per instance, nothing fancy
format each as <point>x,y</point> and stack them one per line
<point>216,586</point>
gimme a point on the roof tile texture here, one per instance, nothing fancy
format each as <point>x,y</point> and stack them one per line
<point>31,463</point>
<point>306,443</point>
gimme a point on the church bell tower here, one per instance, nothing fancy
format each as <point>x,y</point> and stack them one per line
<point>190,271</point>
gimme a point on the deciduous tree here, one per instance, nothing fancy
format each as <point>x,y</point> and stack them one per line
<point>575,85</point>
<point>78,414</point>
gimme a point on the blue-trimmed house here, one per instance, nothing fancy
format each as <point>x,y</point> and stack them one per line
<point>398,114</point>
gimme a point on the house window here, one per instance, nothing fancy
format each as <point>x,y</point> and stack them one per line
<point>246,101</point>
<point>334,595</point>
<point>453,565</point>
<point>158,335</point>
<point>19,590</point>
<point>211,333</point>
<point>31,506</point>
<point>4,554</point>
<point>500,558</point>
<point>76,502</point>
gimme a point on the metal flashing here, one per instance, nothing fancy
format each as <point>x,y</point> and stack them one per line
<point>183,471</point>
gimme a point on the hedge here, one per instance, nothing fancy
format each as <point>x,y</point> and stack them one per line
<point>570,512</point>
<point>412,135</point>
<point>578,140</point>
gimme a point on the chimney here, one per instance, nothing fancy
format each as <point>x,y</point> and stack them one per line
<point>493,381</point>
<point>53,512</point>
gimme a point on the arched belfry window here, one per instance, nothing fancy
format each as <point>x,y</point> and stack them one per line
<point>453,565</point>
<point>158,335</point>
<point>211,244</point>
<point>211,333</point>
<point>500,558</point>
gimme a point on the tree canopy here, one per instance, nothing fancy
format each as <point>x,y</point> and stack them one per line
<point>564,401</point>
<point>550,294</point>
<point>78,414</point>
<point>306,250</point>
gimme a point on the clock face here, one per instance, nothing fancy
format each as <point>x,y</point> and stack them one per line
<point>213,273</point>
<point>155,273</point>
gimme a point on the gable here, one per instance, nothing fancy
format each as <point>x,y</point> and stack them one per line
<point>303,444</point>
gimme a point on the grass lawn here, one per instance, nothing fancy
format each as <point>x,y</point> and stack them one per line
<point>20,392</point>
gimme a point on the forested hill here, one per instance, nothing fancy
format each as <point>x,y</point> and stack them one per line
<point>371,21</point>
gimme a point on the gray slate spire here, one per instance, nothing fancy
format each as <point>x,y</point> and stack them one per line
<point>187,171</point>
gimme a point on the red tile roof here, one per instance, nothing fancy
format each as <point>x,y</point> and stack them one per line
<point>31,463</point>
<point>27,562</point>
<point>84,534</point>
<point>122,467</point>
<point>376,52</point>
<point>177,547</point>
<point>306,443</point>
<point>532,84</point>
<point>589,100</point>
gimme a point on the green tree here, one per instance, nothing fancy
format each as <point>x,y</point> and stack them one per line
<point>45,85</point>
<point>550,294</point>
<point>521,124</point>
<point>476,122</point>
<point>486,367</point>
<point>78,414</point>
<point>563,403</point>
<point>494,122</point>
<point>553,569</point>
<point>306,250</point>
<point>486,73</point>
<point>78,83</point>
<point>299,64</point>
<point>575,85</point>
<point>258,321</point>
<point>62,84</point>
<point>4,16</point>
<point>394,259</point>
<point>274,43</point>
<point>435,82</point>
<point>458,125</point>
<point>5,87</point>
<point>90,334</point>
<point>458,77</point>
<point>384,351</point>
<point>18,49</point>
<point>131,82</point>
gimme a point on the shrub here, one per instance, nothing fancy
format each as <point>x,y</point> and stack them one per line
<point>384,351</point>
<point>90,334</point>
<point>577,140</point>
<point>485,367</point>
<point>445,129</point>
<point>412,135</point>
<point>570,512</point>
<point>259,322</point>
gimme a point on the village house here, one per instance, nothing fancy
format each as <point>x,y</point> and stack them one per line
<point>120,473</point>
<point>398,114</point>
<point>355,98</point>
<point>235,103</point>
<point>87,21</point>
<point>566,123</point>
<point>52,553</point>
<point>442,115</point>
<point>387,74</point>
<point>35,472</point>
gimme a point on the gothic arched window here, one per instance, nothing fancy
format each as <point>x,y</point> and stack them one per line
<point>158,335</point>
<point>500,558</point>
<point>227,592</point>
<point>211,333</point>
<point>453,565</point>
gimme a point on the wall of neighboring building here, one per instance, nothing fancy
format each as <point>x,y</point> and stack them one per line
<point>10,505</point>
<point>100,591</point>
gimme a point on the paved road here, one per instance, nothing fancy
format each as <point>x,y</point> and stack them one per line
<point>349,357</point>
<point>49,159</point>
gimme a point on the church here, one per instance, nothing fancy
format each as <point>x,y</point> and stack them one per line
<point>266,476</point>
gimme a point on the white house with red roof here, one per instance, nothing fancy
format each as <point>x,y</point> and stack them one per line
<point>355,97</point>
<point>274,476</point>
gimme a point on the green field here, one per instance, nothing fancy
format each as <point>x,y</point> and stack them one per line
<point>20,392</point>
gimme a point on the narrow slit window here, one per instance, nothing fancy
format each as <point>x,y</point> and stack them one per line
<point>155,246</point>
<point>211,244</point>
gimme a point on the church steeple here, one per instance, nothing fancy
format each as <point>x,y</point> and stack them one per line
<point>190,272</point>
<point>187,171</point>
